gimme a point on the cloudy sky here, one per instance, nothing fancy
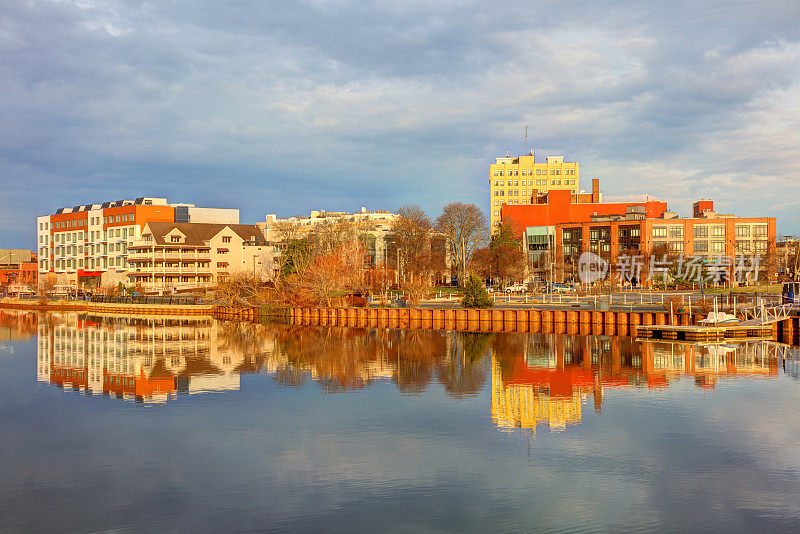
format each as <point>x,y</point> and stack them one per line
<point>286,107</point>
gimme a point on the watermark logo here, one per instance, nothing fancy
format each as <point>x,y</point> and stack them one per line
<point>591,268</point>
<point>691,269</point>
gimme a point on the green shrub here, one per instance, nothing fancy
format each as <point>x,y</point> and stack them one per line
<point>475,295</point>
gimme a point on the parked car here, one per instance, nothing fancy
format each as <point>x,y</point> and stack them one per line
<point>516,288</point>
<point>561,288</point>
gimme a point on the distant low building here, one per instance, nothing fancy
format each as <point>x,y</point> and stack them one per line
<point>375,226</point>
<point>18,268</point>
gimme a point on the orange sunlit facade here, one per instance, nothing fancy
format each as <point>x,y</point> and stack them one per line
<point>548,383</point>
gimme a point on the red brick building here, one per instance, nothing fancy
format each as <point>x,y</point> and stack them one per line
<point>570,226</point>
<point>563,206</point>
<point>18,266</point>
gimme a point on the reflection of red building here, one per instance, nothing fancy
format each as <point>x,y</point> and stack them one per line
<point>546,383</point>
<point>138,385</point>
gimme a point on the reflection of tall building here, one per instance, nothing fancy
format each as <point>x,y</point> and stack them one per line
<point>549,376</point>
<point>138,358</point>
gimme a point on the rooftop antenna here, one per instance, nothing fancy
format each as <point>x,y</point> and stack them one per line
<point>525,126</point>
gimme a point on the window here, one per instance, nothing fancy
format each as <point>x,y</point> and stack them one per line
<point>516,182</point>
<point>718,231</point>
<point>743,246</point>
<point>700,232</point>
<point>496,213</point>
<point>759,230</point>
<point>496,202</point>
<point>496,173</point>
<point>538,171</point>
<point>496,193</point>
<point>226,239</point>
<point>700,247</point>
<point>760,246</point>
<point>742,230</point>
<point>718,247</point>
<point>676,232</point>
<point>501,173</point>
<point>105,220</point>
<point>496,183</point>
<point>552,171</point>
<point>558,172</point>
<point>175,239</point>
<point>659,231</point>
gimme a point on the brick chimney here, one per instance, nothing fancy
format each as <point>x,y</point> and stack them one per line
<point>595,190</point>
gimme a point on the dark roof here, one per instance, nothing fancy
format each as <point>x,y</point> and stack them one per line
<point>198,233</point>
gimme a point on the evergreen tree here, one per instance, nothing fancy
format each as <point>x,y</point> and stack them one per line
<point>475,295</point>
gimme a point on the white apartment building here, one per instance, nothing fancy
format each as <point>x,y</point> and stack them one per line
<point>88,244</point>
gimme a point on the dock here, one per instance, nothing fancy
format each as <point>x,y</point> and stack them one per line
<point>704,333</point>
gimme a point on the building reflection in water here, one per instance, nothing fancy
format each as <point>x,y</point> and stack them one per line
<point>552,376</point>
<point>153,359</point>
<point>135,358</point>
<point>536,380</point>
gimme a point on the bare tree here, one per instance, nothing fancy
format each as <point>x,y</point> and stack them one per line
<point>242,289</point>
<point>465,228</point>
<point>47,283</point>
<point>504,258</point>
<point>412,234</point>
<point>282,231</point>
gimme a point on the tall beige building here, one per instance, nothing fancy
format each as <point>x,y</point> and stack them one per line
<point>513,180</point>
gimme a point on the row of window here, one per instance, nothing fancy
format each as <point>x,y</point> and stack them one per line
<point>89,249</point>
<point>77,223</point>
<point>543,182</point>
<point>706,231</point>
<point>78,263</point>
<point>673,232</point>
<point>74,237</point>
<point>529,172</point>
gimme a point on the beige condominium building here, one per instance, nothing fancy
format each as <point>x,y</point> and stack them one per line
<point>514,180</point>
<point>185,256</point>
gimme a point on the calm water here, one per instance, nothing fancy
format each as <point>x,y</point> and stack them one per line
<point>164,425</point>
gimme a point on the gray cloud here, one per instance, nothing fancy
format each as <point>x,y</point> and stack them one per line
<point>284,107</point>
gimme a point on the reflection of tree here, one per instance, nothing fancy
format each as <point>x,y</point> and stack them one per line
<point>340,359</point>
<point>509,347</point>
<point>416,355</point>
<point>461,372</point>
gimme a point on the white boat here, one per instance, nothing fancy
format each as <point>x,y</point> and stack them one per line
<point>719,318</point>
